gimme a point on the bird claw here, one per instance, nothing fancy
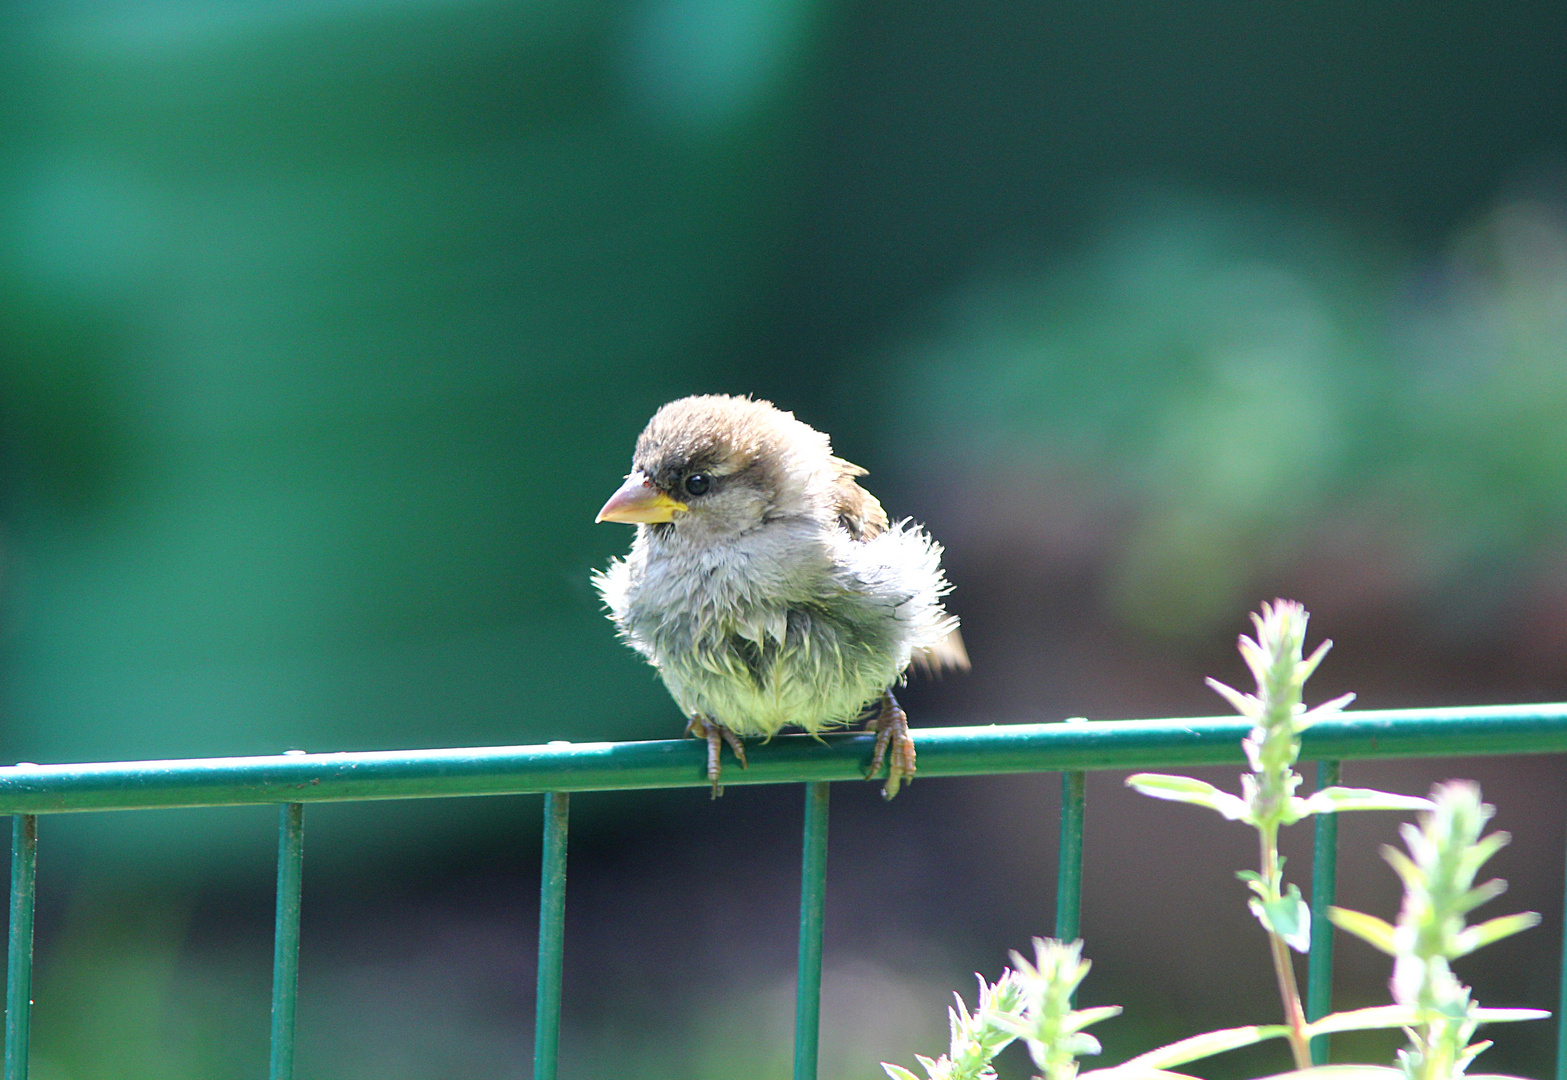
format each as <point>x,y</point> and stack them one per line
<point>894,745</point>
<point>716,735</point>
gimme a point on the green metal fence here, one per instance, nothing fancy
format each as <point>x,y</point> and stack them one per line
<point>558,769</point>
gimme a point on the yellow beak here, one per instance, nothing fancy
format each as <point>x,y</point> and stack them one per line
<point>639,502</point>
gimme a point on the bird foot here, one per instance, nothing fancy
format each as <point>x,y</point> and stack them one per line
<point>716,735</point>
<point>894,745</point>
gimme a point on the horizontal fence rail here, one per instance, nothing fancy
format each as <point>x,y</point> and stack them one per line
<point>958,751</point>
<point>293,779</point>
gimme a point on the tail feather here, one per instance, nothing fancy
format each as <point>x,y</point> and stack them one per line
<point>948,654</point>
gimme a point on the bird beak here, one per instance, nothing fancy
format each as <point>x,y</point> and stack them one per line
<point>638,501</point>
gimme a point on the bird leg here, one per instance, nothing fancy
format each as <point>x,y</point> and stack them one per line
<point>716,735</point>
<point>891,726</point>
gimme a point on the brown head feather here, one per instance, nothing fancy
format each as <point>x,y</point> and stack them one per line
<point>729,434</point>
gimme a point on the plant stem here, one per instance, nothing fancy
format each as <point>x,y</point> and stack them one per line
<point>1283,965</point>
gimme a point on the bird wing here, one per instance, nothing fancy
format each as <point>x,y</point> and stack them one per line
<point>948,654</point>
<point>858,510</point>
<point>860,513</point>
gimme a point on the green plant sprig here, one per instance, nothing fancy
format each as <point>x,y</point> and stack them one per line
<point>1445,852</point>
<point>1031,1001</point>
<point>977,1037</point>
<point>1268,801</point>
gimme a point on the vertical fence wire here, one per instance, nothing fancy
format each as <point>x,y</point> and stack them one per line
<point>1324,884</point>
<point>285,938</point>
<point>1561,1005</point>
<point>813,892</point>
<point>552,936</point>
<point>1069,866</point>
<point>19,958</point>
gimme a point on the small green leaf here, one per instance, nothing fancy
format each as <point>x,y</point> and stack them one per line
<point>1344,1072</point>
<point>1206,1045</point>
<point>1253,881</point>
<point>1481,851</point>
<point>1506,1016</point>
<point>898,1072</point>
<point>1469,1053</point>
<point>1080,1044</point>
<point>1482,934</point>
<point>1295,808</point>
<point>1335,800</point>
<point>1322,712</point>
<point>1368,928</point>
<point>1483,893</point>
<point>1082,1018</point>
<point>1245,704</point>
<point>1392,1016</point>
<point>1016,1026</point>
<point>1379,1016</point>
<point>1287,916</point>
<point>1304,669</point>
<point>1411,875</point>
<point>1189,790</point>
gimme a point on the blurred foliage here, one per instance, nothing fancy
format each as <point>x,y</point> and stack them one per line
<point>122,1006</point>
<point>1234,387</point>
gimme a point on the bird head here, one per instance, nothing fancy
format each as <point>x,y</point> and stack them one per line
<point>715,466</point>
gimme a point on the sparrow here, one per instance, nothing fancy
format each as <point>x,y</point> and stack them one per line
<point>767,587</point>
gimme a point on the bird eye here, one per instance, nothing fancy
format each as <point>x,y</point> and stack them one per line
<point>698,483</point>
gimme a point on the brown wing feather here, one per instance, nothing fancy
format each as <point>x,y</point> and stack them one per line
<point>863,516</point>
<point>948,654</point>
<point>857,508</point>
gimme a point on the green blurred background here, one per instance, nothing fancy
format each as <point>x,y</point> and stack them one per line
<point>326,325</point>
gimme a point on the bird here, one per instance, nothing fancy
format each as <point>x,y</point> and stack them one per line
<point>767,587</point>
